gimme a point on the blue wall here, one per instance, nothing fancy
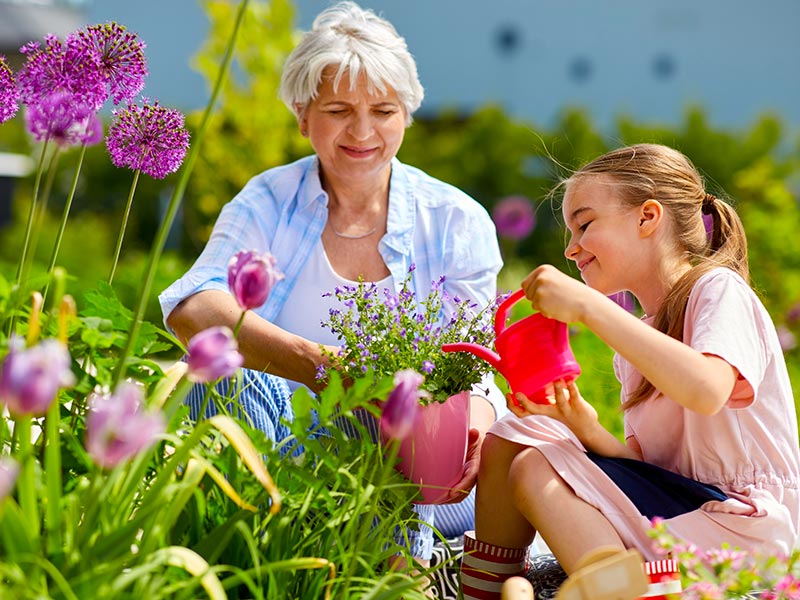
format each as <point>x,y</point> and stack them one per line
<point>737,58</point>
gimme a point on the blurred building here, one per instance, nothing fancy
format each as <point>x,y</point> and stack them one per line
<point>650,60</point>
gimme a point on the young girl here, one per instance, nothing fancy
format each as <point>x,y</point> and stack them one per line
<point>711,441</point>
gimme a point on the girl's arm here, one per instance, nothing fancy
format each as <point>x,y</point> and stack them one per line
<point>702,383</point>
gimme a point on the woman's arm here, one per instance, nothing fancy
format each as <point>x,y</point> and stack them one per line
<point>264,346</point>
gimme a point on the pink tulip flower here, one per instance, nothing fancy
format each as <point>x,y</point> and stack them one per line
<point>118,428</point>
<point>514,217</point>
<point>402,406</point>
<point>213,353</point>
<point>251,277</point>
<point>30,378</point>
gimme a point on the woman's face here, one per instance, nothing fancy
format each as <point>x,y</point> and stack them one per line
<point>355,134</point>
<point>604,237</point>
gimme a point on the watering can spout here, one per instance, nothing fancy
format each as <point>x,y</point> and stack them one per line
<point>481,352</point>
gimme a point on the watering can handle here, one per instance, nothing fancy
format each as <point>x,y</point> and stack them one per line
<point>502,310</point>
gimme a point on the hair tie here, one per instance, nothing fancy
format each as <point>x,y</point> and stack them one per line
<point>708,203</point>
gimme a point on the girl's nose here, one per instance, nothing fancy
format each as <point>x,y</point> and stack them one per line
<point>572,250</point>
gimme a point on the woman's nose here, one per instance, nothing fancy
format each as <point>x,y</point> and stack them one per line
<point>360,127</point>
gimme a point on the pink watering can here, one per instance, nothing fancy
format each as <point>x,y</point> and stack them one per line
<point>531,353</point>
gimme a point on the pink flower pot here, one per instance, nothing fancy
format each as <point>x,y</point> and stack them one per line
<point>433,455</point>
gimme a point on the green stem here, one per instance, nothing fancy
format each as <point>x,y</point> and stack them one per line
<point>124,225</point>
<point>27,477</point>
<point>41,211</point>
<point>239,324</point>
<point>64,217</point>
<point>52,472</point>
<point>31,213</point>
<point>175,202</point>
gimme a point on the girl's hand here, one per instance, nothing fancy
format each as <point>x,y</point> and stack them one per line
<point>566,405</point>
<point>557,295</point>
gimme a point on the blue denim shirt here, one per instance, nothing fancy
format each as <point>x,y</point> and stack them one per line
<point>283,210</point>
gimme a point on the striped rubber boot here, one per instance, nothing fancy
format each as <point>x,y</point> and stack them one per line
<point>485,567</point>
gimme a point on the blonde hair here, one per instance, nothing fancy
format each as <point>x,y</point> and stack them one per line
<point>653,171</point>
<point>353,40</point>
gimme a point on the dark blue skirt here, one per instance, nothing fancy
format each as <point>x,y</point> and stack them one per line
<point>654,491</point>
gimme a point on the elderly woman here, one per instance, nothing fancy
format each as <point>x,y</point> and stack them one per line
<point>349,211</point>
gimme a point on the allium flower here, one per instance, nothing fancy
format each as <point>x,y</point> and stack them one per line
<point>786,338</point>
<point>122,59</point>
<point>61,119</point>
<point>9,470</point>
<point>118,428</point>
<point>68,66</point>
<point>793,314</point>
<point>402,406</point>
<point>148,138</point>
<point>251,277</point>
<point>30,378</point>
<point>514,217</point>
<point>625,300</point>
<point>213,353</point>
<point>9,96</point>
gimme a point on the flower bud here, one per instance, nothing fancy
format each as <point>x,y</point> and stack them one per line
<point>30,378</point>
<point>213,353</point>
<point>251,277</point>
<point>402,406</point>
<point>117,428</point>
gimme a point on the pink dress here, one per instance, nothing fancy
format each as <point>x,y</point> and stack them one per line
<point>749,449</point>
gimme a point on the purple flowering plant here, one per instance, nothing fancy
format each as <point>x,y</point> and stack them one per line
<point>383,332</point>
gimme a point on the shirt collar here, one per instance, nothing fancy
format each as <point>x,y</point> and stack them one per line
<point>311,186</point>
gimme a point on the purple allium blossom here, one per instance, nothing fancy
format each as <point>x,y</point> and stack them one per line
<point>30,378</point>
<point>786,338</point>
<point>117,427</point>
<point>213,353</point>
<point>625,300</point>
<point>61,119</point>
<point>514,217</point>
<point>793,314</point>
<point>148,138</point>
<point>402,406</point>
<point>9,95</point>
<point>251,277</point>
<point>9,470</point>
<point>67,66</point>
<point>122,59</point>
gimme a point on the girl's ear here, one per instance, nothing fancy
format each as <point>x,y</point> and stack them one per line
<point>651,212</point>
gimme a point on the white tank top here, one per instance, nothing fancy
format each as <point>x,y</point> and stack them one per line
<point>305,309</point>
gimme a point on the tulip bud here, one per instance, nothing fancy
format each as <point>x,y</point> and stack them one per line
<point>251,277</point>
<point>213,353</point>
<point>117,428</point>
<point>30,378</point>
<point>402,406</point>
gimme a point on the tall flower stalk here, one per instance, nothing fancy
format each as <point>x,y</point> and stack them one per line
<point>175,201</point>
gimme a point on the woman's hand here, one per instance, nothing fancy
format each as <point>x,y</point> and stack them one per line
<point>557,295</point>
<point>566,405</point>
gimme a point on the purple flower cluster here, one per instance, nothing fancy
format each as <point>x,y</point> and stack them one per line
<point>383,333</point>
<point>118,428</point>
<point>148,138</point>
<point>9,95</point>
<point>57,118</point>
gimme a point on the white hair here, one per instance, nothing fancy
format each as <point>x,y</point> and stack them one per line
<point>354,40</point>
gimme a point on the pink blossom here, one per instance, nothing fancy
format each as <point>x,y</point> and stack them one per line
<point>786,338</point>
<point>30,378</point>
<point>61,118</point>
<point>213,353</point>
<point>117,427</point>
<point>402,406</point>
<point>9,95</point>
<point>251,277</point>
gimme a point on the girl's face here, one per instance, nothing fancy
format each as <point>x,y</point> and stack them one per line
<point>604,234</point>
<point>355,134</point>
